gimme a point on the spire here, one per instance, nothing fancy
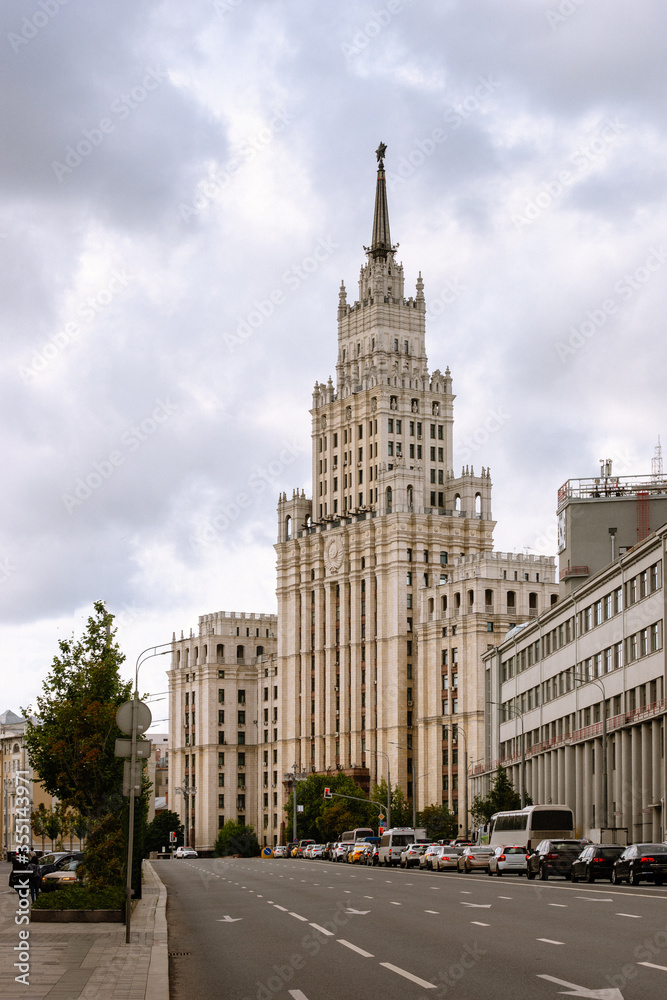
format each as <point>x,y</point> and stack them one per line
<point>381,242</point>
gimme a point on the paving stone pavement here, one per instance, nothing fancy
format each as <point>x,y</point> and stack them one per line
<point>89,961</point>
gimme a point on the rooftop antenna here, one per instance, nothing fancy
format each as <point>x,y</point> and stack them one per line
<point>656,462</point>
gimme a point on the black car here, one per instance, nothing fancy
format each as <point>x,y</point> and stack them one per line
<point>595,861</point>
<point>641,861</point>
<point>56,862</point>
<point>553,857</point>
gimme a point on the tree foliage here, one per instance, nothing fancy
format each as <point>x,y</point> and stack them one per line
<point>158,830</point>
<point>401,809</point>
<point>71,744</point>
<point>317,821</point>
<point>440,823</point>
<point>503,796</point>
<point>235,838</point>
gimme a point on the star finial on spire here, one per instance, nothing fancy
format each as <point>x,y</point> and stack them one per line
<point>379,152</point>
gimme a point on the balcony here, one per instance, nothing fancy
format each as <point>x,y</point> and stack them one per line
<point>572,572</point>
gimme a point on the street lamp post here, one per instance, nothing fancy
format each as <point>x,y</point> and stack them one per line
<point>133,788</point>
<point>388,787</point>
<point>605,790</point>
<point>518,715</point>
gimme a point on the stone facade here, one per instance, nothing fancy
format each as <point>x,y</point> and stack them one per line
<point>16,769</point>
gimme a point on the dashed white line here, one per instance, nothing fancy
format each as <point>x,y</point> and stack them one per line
<point>479,923</point>
<point>283,908</point>
<point>505,897</point>
<point>395,904</point>
<point>561,905</point>
<point>652,965</point>
<point>431,911</point>
<point>322,930</point>
<point>635,916</point>
<point>408,975</point>
<point>353,947</point>
<point>549,941</point>
<point>298,916</point>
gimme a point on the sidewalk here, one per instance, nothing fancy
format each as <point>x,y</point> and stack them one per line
<point>89,961</point>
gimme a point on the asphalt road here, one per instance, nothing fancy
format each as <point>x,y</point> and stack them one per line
<point>311,930</point>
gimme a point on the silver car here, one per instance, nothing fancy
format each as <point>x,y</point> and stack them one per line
<point>448,861</point>
<point>474,859</point>
<point>509,861</point>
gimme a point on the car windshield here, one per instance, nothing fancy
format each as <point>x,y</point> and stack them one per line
<point>653,848</point>
<point>514,850</point>
<point>565,845</point>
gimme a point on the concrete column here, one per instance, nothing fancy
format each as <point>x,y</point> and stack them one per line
<point>647,783</point>
<point>636,790</point>
<point>657,781</point>
<point>569,776</point>
<point>560,785</point>
<point>626,783</point>
<point>553,776</point>
<point>541,797</point>
<point>582,810</point>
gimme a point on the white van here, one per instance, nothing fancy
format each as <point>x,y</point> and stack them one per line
<point>393,842</point>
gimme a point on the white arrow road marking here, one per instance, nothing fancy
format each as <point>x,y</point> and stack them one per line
<point>611,993</point>
<point>478,906</point>
<point>228,920</point>
<point>361,912</point>
<point>297,995</point>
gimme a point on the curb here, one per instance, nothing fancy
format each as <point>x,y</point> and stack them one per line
<point>157,987</point>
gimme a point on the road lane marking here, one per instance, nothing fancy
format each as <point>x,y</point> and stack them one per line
<point>322,930</point>
<point>652,965</point>
<point>505,897</point>
<point>635,916</point>
<point>479,923</point>
<point>298,916</point>
<point>561,905</point>
<point>353,947</point>
<point>369,897</point>
<point>297,995</point>
<point>408,975</point>
<point>549,941</point>
<point>594,899</point>
<point>395,904</point>
<point>283,908</point>
<point>431,911</point>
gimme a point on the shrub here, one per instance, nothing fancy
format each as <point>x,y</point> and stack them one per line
<point>81,897</point>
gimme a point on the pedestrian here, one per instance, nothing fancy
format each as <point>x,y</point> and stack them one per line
<point>19,876</point>
<point>35,877</point>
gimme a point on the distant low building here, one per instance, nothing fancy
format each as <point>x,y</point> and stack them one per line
<point>16,770</point>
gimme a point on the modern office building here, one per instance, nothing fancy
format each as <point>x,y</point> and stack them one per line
<point>575,699</point>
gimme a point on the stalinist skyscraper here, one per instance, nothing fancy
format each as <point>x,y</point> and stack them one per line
<point>386,518</point>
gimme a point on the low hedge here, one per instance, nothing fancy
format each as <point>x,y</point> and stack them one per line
<point>79,897</point>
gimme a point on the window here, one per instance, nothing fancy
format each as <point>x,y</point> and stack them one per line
<point>241,718</point>
<point>221,717</point>
<point>221,760</point>
<point>241,739</point>
<point>241,697</point>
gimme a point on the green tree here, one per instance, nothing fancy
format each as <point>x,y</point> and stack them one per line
<point>71,743</point>
<point>158,830</point>
<point>503,796</point>
<point>52,825</point>
<point>38,820</point>
<point>440,823</point>
<point>313,822</point>
<point>235,838</point>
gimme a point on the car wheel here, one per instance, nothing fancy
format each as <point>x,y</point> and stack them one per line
<point>544,873</point>
<point>590,876</point>
<point>573,877</point>
<point>634,878</point>
<point>615,880</point>
<point>531,876</point>
<point>498,872</point>
<point>658,880</point>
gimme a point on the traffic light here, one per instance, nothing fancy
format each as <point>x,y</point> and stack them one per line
<point>327,793</point>
<point>172,837</point>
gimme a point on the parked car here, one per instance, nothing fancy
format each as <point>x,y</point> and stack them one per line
<point>291,848</point>
<point>185,852</point>
<point>474,859</point>
<point>280,851</point>
<point>509,861</point>
<point>553,857</point>
<point>303,844</point>
<point>316,851</point>
<point>341,849</point>
<point>426,860</point>
<point>411,854</point>
<point>595,861</point>
<point>60,878</point>
<point>58,860</point>
<point>641,861</point>
<point>448,860</point>
<point>357,854</point>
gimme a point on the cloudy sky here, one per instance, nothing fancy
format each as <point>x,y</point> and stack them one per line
<point>183,188</point>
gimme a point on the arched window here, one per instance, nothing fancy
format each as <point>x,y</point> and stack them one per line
<point>443,603</point>
<point>488,598</point>
<point>178,656</point>
<point>532,602</point>
<point>288,528</point>
<point>389,500</point>
<point>511,598</point>
<point>260,651</point>
<point>457,599</point>
<point>430,605</point>
<point>239,652</point>
<point>478,504</point>
<point>205,653</point>
<point>410,492</point>
<point>471,597</point>
<point>196,654</point>
<point>187,657</point>
<point>220,652</point>
<point>457,503</point>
